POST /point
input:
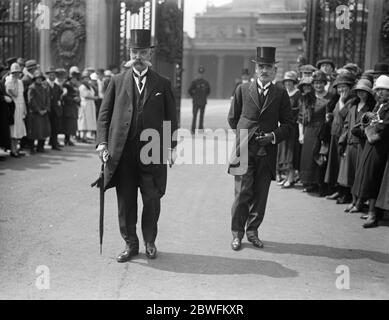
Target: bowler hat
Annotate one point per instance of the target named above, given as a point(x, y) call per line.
point(381, 68)
point(382, 83)
point(322, 61)
point(265, 55)
point(344, 79)
point(30, 64)
point(364, 85)
point(140, 38)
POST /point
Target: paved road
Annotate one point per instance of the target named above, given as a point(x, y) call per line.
point(49, 217)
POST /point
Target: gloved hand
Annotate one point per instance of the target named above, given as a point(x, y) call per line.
point(103, 153)
point(265, 139)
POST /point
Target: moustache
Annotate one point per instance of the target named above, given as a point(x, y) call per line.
point(134, 62)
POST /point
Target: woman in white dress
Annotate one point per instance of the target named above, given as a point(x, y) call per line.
point(87, 111)
point(14, 88)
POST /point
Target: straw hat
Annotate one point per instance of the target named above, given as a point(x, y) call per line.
point(74, 71)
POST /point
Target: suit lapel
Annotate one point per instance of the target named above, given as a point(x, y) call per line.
point(151, 82)
point(269, 98)
point(254, 94)
point(128, 80)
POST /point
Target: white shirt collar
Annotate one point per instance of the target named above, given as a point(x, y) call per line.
point(261, 85)
point(140, 73)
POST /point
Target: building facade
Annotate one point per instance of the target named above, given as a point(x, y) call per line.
point(226, 38)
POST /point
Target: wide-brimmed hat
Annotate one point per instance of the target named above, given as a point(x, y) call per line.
point(307, 68)
point(344, 79)
point(326, 60)
point(291, 76)
point(140, 39)
point(304, 82)
point(94, 76)
point(319, 76)
point(60, 72)
point(364, 85)
point(266, 55)
point(382, 83)
point(381, 68)
point(15, 68)
point(352, 67)
point(38, 74)
point(30, 64)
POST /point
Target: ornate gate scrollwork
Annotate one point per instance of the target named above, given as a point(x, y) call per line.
point(68, 32)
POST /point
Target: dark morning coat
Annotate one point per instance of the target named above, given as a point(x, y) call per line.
point(246, 113)
point(117, 110)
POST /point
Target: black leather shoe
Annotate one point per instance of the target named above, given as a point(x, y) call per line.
point(151, 250)
point(127, 254)
point(236, 244)
point(256, 242)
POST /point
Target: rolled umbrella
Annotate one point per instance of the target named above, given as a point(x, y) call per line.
point(100, 184)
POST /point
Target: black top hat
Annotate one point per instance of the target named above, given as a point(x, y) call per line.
point(266, 55)
point(140, 38)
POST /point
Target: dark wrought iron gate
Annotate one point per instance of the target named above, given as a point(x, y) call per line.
point(328, 37)
point(18, 35)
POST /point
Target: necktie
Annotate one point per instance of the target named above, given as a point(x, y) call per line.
point(140, 80)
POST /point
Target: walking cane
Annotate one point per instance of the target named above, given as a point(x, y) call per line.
point(100, 184)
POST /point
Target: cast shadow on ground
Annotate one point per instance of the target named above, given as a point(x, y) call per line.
point(303, 249)
point(216, 265)
point(50, 158)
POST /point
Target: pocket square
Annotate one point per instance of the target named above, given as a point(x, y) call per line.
point(158, 94)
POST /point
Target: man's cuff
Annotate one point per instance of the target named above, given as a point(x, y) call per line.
point(101, 146)
point(274, 138)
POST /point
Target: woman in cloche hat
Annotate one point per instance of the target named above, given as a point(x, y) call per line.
point(353, 140)
point(343, 85)
point(14, 88)
point(370, 170)
point(311, 120)
point(288, 156)
point(39, 106)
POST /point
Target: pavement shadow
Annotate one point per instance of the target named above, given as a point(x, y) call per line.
point(49, 158)
point(324, 251)
point(214, 265)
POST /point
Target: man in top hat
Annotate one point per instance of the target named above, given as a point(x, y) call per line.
point(256, 110)
point(56, 108)
point(199, 90)
point(137, 102)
